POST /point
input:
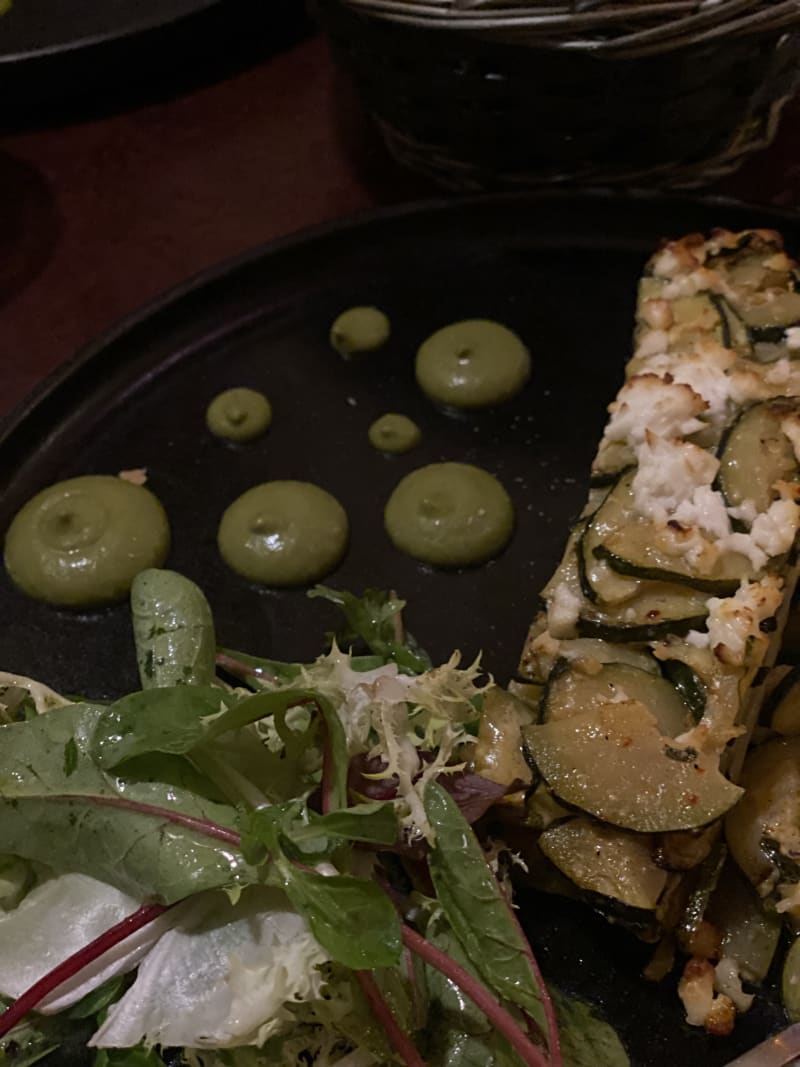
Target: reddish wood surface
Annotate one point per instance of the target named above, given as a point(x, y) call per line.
point(97, 218)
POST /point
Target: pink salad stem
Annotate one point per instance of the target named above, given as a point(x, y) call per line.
point(235, 666)
point(76, 962)
point(400, 1042)
point(553, 1036)
point(497, 1015)
point(191, 822)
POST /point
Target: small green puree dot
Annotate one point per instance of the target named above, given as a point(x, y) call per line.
point(359, 329)
point(283, 533)
point(239, 414)
point(394, 433)
point(450, 515)
point(472, 364)
point(80, 543)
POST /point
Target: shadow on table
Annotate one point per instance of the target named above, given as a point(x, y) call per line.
point(94, 81)
point(29, 227)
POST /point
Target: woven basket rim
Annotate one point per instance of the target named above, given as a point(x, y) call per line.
point(618, 28)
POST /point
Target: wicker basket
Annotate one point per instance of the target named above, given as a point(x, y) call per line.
point(482, 94)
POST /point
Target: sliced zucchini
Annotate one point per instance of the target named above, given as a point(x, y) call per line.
point(529, 693)
point(638, 548)
point(749, 933)
point(747, 252)
point(614, 763)
point(657, 610)
point(734, 334)
point(705, 880)
point(588, 652)
point(565, 580)
point(607, 861)
point(790, 982)
point(566, 573)
point(783, 311)
point(542, 809)
point(498, 755)
point(785, 705)
point(690, 686)
point(765, 825)
point(681, 850)
point(571, 691)
point(755, 453)
point(598, 581)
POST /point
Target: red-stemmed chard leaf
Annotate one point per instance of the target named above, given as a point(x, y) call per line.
point(76, 963)
point(480, 916)
point(478, 994)
point(400, 1042)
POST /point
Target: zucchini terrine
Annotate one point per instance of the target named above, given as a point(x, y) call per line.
point(664, 616)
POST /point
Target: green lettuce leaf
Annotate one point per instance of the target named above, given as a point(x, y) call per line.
point(351, 918)
point(49, 813)
point(170, 719)
point(179, 719)
point(475, 907)
point(304, 831)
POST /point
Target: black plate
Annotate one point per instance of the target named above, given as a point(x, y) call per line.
point(67, 59)
point(561, 270)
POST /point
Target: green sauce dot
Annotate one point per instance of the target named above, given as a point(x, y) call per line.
point(472, 364)
point(394, 433)
point(450, 515)
point(239, 414)
point(283, 533)
point(359, 329)
point(80, 543)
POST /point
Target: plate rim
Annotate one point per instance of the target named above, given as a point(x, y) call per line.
point(96, 40)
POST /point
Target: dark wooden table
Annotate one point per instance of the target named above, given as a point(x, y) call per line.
point(98, 217)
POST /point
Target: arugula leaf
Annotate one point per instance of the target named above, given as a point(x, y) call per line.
point(169, 719)
point(475, 907)
point(54, 818)
point(586, 1039)
point(373, 618)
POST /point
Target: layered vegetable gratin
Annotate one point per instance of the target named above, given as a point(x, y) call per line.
point(652, 665)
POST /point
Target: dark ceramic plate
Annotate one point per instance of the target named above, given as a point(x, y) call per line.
point(67, 59)
point(561, 270)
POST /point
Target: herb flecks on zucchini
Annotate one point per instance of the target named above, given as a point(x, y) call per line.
point(683, 560)
point(614, 763)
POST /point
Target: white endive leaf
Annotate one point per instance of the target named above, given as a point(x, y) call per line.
point(54, 921)
point(221, 977)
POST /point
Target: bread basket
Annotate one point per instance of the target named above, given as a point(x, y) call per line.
point(482, 94)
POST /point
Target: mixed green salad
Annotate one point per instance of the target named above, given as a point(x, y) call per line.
point(259, 864)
